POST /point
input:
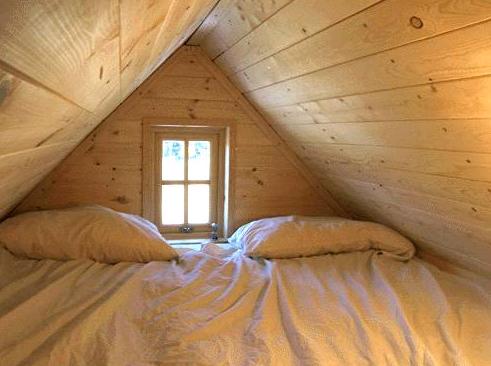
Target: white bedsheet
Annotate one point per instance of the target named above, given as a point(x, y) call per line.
point(348, 309)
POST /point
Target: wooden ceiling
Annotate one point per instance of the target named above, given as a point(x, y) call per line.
point(388, 102)
point(65, 65)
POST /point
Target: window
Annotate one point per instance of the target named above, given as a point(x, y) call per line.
point(185, 173)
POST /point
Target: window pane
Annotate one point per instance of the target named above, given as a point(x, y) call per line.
point(199, 203)
point(172, 204)
point(199, 160)
point(172, 160)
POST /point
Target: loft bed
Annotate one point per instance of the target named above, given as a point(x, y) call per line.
point(355, 304)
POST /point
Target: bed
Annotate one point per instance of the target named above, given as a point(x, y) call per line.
point(220, 307)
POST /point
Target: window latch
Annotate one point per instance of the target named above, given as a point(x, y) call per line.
point(186, 229)
point(214, 232)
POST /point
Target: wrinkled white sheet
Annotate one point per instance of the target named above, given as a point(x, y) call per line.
point(348, 309)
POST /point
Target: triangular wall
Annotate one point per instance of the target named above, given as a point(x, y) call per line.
point(106, 168)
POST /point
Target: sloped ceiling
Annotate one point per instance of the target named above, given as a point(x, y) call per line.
point(65, 65)
point(388, 102)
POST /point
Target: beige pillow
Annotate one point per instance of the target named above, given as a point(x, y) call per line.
point(297, 236)
point(91, 232)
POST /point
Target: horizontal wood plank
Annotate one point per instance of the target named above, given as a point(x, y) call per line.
point(452, 135)
point(291, 24)
point(371, 31)
point(472, 166)
point(242, 17)
point(454, 55)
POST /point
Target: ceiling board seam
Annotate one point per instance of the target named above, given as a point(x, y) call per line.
point(429, 120)
point(334, 175)
point(34, 149)
point(254, 28)
point(392, 187)
point(204, 20)
point(413, 171)
point(400, 147)
point(470, 25)
point(296, 103)
point(26, 78)
point(303, 39)
point(264, 126)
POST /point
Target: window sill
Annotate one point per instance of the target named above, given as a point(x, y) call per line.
point(195, 243)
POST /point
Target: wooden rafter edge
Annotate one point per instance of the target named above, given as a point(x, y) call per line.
point(266, 128)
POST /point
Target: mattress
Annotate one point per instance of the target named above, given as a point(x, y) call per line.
point(221, 308)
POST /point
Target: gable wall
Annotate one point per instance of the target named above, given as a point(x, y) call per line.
point(106, 168)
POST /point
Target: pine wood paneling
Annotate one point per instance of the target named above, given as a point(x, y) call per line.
point(474, 135)
point(450, 188)
point(182, 87)
point(57, 41)
point(30, 115)
point(291, 24)
point(388, 103)
point(22, 171)
point(161, 29)
point(370, 31)
point(242, 17)
point(474, 166)
point(459, 99)
point(212, 20)
point(60, 71)
point(107, 167)
point(454, 55)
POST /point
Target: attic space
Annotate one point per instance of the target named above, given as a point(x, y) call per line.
point(209, 182)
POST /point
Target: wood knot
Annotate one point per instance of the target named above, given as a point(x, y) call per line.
point(416, 22)
point(121, 199)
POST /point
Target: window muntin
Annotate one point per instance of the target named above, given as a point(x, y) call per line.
point(194, 191)
point(187, 181)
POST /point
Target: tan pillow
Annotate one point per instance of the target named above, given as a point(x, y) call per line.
point(90, 232)
point(297, 236)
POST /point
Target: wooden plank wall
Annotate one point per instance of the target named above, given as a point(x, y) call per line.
point(388, 102)
point(60, 73)
point(106, 168)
